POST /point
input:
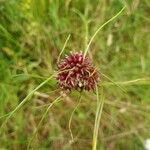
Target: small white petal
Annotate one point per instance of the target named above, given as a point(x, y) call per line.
point(147, 144)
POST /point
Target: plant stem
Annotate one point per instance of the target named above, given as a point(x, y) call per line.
point(100, 103)
point(38, 126)
point(111, 19)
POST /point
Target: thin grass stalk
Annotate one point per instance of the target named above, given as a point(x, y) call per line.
point(24, 101)
point(115, 83)
point(39, 124)
point(139, 81)
point(70, 120)
point(100, 103)
point(63, 47)
point(103, 25)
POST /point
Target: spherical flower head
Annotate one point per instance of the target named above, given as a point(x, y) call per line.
point(77, 72)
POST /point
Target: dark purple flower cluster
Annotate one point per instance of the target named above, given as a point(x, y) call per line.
point(77, 72)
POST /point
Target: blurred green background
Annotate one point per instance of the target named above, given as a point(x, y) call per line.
point(32, 34)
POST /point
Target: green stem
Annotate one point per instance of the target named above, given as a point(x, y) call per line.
point(25, 100)
point(47, 110)
point(100, 104)
point(111, 19)
point(70, 120)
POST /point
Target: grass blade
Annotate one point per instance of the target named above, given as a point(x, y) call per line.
point(114, 82)
point(47, 110)
point(25, 100)
point(63, 47)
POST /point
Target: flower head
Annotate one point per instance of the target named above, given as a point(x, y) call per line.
point(77, 72)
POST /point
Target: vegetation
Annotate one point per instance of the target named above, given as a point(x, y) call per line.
point(35, 113)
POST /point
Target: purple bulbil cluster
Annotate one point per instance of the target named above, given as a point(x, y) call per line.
point(77, 72)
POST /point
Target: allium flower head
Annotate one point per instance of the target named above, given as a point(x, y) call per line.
point(77, 72)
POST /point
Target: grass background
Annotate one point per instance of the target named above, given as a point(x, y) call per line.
point(32, 34)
